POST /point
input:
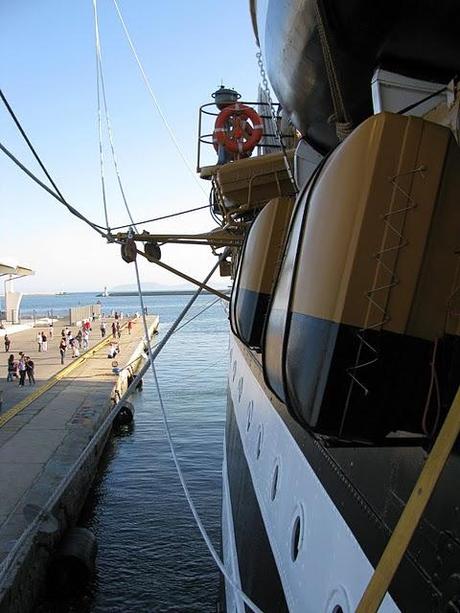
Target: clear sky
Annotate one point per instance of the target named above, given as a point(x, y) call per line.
point(48, 73)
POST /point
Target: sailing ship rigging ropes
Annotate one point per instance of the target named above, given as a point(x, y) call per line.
point(336, 214)
point(155, 100)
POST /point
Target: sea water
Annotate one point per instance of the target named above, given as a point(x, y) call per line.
point(151, 556)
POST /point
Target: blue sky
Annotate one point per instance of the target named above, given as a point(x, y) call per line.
point(48, 73)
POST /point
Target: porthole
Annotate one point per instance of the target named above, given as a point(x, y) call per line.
point(240, 388)
point(250, 413)
point(297, 534)
point(338, 601)
point(275, 481)
point(260, 439)
point(234, 370)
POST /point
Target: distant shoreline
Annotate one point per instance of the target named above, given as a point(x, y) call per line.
point(147, 292)
point(159, 292)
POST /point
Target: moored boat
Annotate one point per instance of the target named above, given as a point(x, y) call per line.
point(344, 359)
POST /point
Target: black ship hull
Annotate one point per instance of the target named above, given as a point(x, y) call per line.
point(306, 523)
point(414, 38)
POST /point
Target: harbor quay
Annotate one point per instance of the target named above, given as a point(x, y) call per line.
point(52, 435)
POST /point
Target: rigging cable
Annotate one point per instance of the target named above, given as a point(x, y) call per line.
point(191, 504)
point(139, 223)
point(57, 193)
point(99, 229)
point(101, 84)
point(31, 147)
point(99, 79)
point(154, 98)
point(10, 561)
point(208, 306)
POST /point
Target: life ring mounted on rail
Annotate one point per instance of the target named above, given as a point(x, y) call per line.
point(238, 129)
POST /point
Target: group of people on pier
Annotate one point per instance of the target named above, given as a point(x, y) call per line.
point(23, 367)
point(77, 343)
point(19, 369)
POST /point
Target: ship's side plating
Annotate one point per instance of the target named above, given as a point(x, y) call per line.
point(310, 505)
point(345, 353)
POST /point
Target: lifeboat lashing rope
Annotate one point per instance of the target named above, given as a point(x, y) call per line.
point(396, 232)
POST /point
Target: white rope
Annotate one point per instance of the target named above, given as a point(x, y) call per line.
point(155, 101)
point(190, 502)
point(101, 86)
point(99, 115)
point(205, 308)
point(8, 564)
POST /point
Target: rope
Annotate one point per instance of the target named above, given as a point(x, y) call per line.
point(199, 313)
point(29, 144)
point(9, 561)
point(433, 384)
point(343, 125)
point(107, 116)
point(190, 502)
point(59, 198)
point(412, 513)
point(139, 223)
point(406, 109)
point(154, 98)
point(99, 79)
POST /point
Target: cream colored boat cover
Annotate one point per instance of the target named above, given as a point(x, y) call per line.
point(254, 181)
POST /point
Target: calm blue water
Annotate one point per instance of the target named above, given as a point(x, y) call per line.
point(151, 556)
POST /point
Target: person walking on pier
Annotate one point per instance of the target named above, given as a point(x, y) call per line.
point(30, 367)
point(114, 330)
point(103, 329)
point(22, 369)
point(7, 343)
point(130, 326)
point(75, 348)
point(50, 331)
point(12, 368)
point(85, 340)
point(62, 348)
point(118, 329)
point(39, 340)
point(44, 342)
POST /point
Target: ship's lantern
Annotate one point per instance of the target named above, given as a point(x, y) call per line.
point(225, 96)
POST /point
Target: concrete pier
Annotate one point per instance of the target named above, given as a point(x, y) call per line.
point(43, 431)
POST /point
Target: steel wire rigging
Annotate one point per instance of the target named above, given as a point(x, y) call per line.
point(99, 229)
point(99, 79)
point(56, 192)
point(101, 90)
point(155, 100)
point(151, 363)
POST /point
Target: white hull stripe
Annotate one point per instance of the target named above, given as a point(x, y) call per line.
point(301, 521)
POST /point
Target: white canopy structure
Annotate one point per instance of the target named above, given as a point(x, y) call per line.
point(10, 270)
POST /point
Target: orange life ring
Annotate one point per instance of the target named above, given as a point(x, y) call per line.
point(233, 131)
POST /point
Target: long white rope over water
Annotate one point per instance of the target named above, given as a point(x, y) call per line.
point(155, 100)
point(8, 564)
point(188, 496)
